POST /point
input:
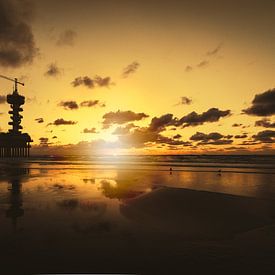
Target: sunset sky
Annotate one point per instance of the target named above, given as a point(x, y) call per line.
point(150, 77)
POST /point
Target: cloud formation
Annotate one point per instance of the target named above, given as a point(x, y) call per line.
point(61, 121)
point(121, 117)
point(124, 130)
point(66, 38)
point(194, 119)
point(85, 81)
point(267, 136)
point(39, 120)
point(203, 64)
point(92, 83)
point(213, 138)
point(188, 68)
point(130, 69)
point(184, 100)
point(92, 103)
point(52, 70)
point(241, 136)
point(265, 123)
point(69, 105)
point(177, 136)
point(262, 104)
point(215, 51)
point(236, 125)
point(17, 45)
point(158, 124)
point(89, 131)
point(44, 142)
point(144, 136)
point(201, 136)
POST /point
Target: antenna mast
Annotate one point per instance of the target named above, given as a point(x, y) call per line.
point(15, 80)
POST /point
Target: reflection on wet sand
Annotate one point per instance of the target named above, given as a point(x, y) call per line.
point(15, 210)
point(76, 221)
point(113, 189)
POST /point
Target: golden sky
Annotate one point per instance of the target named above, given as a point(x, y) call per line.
point(100, 65)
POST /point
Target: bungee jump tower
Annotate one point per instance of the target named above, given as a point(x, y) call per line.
point(15, 144)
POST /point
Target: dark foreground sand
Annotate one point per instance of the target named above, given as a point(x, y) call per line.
point(200, 214)
point(172, 231)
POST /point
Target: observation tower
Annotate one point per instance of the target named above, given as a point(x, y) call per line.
point(15, 143)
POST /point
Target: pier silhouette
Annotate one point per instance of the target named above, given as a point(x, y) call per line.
point(15, 143)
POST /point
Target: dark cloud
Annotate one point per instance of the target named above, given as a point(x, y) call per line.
point(68, 105)
point(265, 123)
point(61, 121)
point(130, 69)
point(3, 99)
point(177, 136)
point(185, 101)
point(52, 70)
point(102, 81)
point(39, 120)
point(121, 117)
point(91, 83)
point(85, 81)
point(42, 139)
point(17, 45)
point(203, 63)
point(249, 142)
point(215, 51)
point(212, 138)
point(44, 142)
point(194, 119)
point(236, 125)
point(262, 104)
point(159, 124)
point(201, 136)
point(92, 103)
point(66, 38)
point(89, 131)
point(188, 68)
point(241, 136)
point(267, 136)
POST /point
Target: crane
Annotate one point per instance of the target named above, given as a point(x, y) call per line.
point(14, 80)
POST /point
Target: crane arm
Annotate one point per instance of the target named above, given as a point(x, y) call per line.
point(11, 79)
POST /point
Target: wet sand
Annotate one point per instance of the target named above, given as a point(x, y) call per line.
point(199, 214)
point(172, 231)
point(56, 218)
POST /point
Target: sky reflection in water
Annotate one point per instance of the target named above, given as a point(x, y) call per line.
point(73, 200)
